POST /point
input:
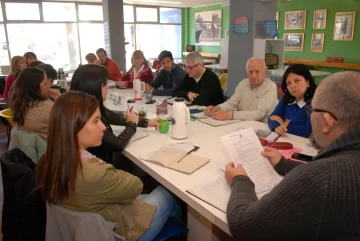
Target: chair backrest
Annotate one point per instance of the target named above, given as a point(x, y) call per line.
point(68, 225)
point(30, 143)
point(223, 81)
point(7, 114)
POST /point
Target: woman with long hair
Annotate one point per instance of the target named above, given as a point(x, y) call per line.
point(139, 70)
point(18, 63)
point(289, 115)
point(29, 101)
point(92, 79)
point(70, 176)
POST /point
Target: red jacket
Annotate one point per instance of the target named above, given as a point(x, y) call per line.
point(145, 75)
point(8, 83)
point(114, 70)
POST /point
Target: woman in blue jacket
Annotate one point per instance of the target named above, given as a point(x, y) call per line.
point(289, 115)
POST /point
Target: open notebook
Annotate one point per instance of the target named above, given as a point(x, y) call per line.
point(176, 157)
point(210, 121)
point(117, 130)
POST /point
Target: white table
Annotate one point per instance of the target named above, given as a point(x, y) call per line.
point(280, 72)
point(208, 139)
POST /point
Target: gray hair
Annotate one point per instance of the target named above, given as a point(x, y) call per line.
point(255, 58)
point(339, 93)
point(194, 57)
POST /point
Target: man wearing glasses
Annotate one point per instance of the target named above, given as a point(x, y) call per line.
point(318, 200)
point(254, 99)
point(201, 86)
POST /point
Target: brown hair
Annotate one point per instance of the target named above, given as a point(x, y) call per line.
point(14, 62)
point(57, 169)
point(91, 57)
point(101, 50)
point(26, 93)
point(138, 53)
point(30, 55)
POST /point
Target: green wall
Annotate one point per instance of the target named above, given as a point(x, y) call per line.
point(346, 49)
point(188, 23)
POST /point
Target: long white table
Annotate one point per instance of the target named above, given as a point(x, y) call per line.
point(200, 215)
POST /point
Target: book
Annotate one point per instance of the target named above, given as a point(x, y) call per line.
point(210, 121)
point(117, 130)
point(268, 135)
point(177, 157)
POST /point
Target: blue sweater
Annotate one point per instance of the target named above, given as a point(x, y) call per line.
point(168, 80)
point(300, 123)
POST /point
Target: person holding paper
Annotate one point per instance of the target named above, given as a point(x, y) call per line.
point(70, 176)
point(318, 200)
point(92, 79)
point(169, 77)
point(200, 86)
point(299, 88)
point(254, 99)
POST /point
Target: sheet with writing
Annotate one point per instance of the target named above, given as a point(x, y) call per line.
point(243, 147)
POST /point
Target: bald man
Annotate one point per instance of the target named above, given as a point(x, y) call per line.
point(317, 200)
point(254, 99)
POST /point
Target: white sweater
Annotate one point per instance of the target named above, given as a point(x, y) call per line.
point(252, 104)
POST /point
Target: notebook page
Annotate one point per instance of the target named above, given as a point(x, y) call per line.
point(164, 156)
point(244, 148)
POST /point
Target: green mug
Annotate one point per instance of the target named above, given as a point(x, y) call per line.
point(164, 126)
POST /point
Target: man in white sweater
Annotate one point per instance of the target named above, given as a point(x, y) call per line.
point(254, 99)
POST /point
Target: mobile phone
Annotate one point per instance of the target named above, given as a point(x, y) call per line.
point(302, 157)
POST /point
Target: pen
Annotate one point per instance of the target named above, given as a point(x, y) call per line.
point(195, 149)
point(131, 108)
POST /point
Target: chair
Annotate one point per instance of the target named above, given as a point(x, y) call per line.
point(68, 225)
point(7, 114)
point(223, 81)
point(172, 229)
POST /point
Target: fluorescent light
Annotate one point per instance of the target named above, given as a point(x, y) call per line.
point(156, 1)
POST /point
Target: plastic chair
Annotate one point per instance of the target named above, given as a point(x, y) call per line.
point(172, 229)
point(223, 81)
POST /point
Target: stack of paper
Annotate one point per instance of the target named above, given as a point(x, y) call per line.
point(209, 120)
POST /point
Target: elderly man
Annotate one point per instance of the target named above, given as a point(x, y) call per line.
point(254, 99)
point(317, 200)
point(201, 86)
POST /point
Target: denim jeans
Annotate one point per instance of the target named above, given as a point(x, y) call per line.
point(165, 207)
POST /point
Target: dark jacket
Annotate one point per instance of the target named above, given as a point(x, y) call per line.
point(110, 142)
point(168, 80)
point(208, 88)
point(315, 201)
point(24, 213)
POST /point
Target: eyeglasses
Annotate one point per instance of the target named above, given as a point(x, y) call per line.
point(309, 109)
point(191, 67)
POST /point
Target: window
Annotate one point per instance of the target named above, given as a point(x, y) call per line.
point(170, 15)
point(146, 14)
point(59, 12)
point(128, 14)
point(91, 38)
point(1, 15)
point(129, 38)
point(90, 12)
point(22, 11)
point(58, 47)
point(165, 36)
point(4, 54)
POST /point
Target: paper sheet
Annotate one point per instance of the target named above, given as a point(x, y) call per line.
point(288, 153)
point(208, 120)
point(244, 148)
point(187, 147)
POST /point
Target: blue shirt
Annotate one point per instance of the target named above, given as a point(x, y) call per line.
point(168, 80)
point(300, 123)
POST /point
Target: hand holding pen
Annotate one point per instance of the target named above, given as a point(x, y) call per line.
point(132, 116)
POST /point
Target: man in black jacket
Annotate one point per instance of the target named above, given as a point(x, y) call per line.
point(317, 200)
point(201, 86)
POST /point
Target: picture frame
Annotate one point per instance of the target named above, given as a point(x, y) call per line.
point(295, 20)
point(317, 42)
point(344, 26)
point(208, 28)
point(320, 19)
point(294, 41)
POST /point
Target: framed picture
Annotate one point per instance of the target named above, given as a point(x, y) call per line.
point(320, 19)
point(295, 20)
point(294, 41)
point(208, 28)
point(317, 42)
point(344, 26)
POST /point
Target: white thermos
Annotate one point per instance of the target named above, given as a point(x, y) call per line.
point(180, 119)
